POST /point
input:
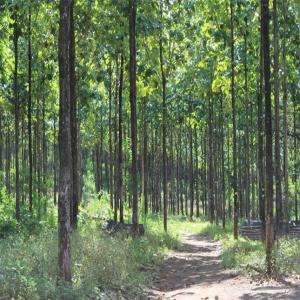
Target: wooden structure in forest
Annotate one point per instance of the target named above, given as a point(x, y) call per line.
point(253, 230)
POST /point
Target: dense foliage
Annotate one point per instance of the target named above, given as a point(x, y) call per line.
point(200, 145)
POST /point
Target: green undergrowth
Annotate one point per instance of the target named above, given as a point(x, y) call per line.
point(104, 266)
point(242, 253)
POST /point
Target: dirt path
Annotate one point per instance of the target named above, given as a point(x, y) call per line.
point(194, 272)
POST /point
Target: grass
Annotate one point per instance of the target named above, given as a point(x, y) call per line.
point(111, 267)
point(239, 253)
point(104, 266)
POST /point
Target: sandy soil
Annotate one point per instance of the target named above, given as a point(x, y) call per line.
point(194, 272)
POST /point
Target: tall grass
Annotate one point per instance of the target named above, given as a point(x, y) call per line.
point(104, 266)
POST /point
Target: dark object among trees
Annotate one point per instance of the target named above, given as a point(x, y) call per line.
point(114, 227)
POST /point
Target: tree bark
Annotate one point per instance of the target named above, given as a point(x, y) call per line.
point(285, 124)
point(268, 129)
point(120, 144)
point(191, 172)
point(65, 153)
point(132, 75)
point(74, 124)
point(29, 112)
point(277, 120)
point(111, 190)
point(234, 156)
point(260, 159)
point(164, 82)
point(17, 113)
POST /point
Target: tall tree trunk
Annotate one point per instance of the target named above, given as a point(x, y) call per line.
point(164, 82)
point(197, 176)
point(111, 190)
point(115, 145)
point(210, 163)
point(295, 156)
point(120, 144)
point(17, 109)
point(277, 121)
point(285, 124)
point(191, 172)
point(132, 75)
point(234, 156)
point(145, 158)
point(74, 124)
point(54, 163)
point(222, 176)
point(260, 159)
point(44, 148)
point(29, 111)
point(97, 168)
point(268, 128)
point(247, 138)
point(65, 153)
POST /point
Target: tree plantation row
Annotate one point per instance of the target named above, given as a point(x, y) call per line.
point(183, 107)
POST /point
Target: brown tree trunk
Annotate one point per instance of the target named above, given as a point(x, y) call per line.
point(164, 82)
point(111, 190)
point(44, 142)
point(74, 124)
point(277, 121)
point(234, 156)
point(145, 158)
point(65, 153)
point(17, 113)
point(97, 168)
point(260, 159)
point(191, 173)
point(120, 145)
point(132, 75)
point(210, 170)
point(197, 176)
point(295, 156)
point(29, 113)
point(285, 124)
point(268, 128)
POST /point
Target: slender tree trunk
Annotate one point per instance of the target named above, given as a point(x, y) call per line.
point(295, 157)
point(191, 172)
point(285, 124)
point(247, 138)
point(97, 168)
point(74, 124)
point(120, 145)
point(29, 112)
point(277, 121)
point(197, 176)
point(164, 82)
point(268, 128)
point(54, 164)
point(222, 176)
point(132, 75)
point(17, 113)
point(115, 145)
point(210, 163)
point(145, 158)
point(110, 140)
point(65, 154)
point(44, 141)
point(261, 173)
point(234, 156)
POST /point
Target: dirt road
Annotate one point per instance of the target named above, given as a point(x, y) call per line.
point(194, 272)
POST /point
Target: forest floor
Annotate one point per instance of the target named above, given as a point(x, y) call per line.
point(194, 271)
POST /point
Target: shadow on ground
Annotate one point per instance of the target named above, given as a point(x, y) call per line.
point(194, 271)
